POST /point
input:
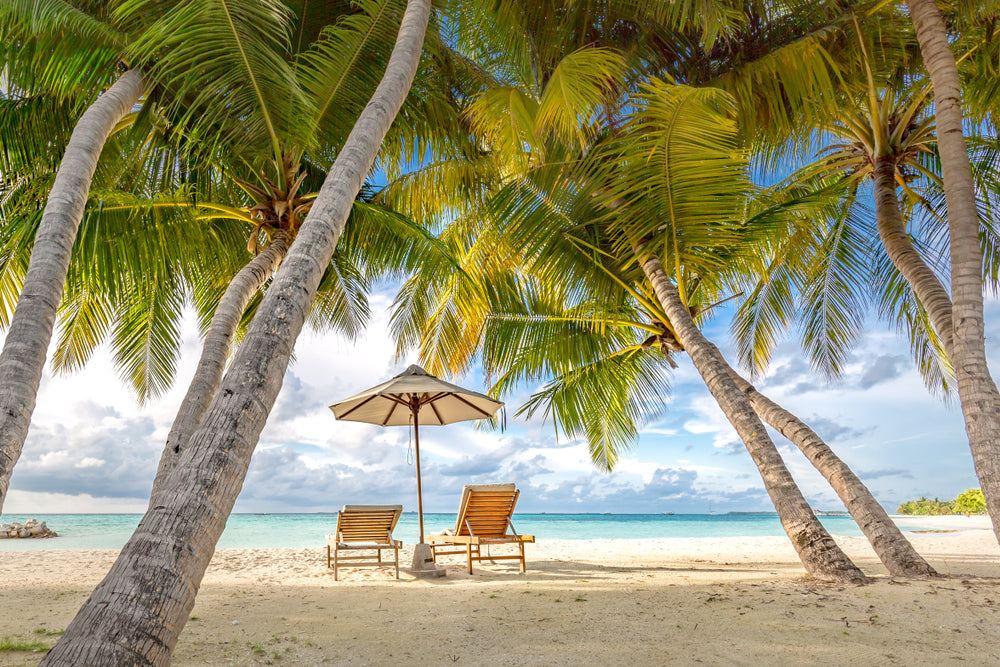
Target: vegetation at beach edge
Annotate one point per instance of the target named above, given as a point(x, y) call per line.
point(967, 502)
point(22, 645)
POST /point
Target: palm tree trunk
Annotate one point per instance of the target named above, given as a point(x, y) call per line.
point(905, 257)
point(23, 357)
point(893, 549)
point(976, 389)
point(136, 613)
point(214, 353)
point(820, 555)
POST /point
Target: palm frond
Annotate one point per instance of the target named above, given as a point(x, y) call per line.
point(224, 62)
point(85, 318)
point(579, 84)
point(342, 68)
point(607, 400)
point(341, 303)
point(687, 176)
point(146, 336)
point(33, 131)
point(58, 47)
point(506, 118)
point(833, 314)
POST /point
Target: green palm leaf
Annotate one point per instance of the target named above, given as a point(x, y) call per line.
point(687, 176)
point(58, 47)
point(342, 68)
point(225, 63)
point(579, 84)
point(341, 303)
point(33, 130)
point(146, 335)
point(85, 318)
point(833, 303)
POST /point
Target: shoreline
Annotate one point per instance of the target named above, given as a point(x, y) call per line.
point(613, 601)
point(85, 531)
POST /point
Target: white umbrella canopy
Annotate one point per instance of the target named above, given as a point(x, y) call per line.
point(391, 403)
point(416, 397)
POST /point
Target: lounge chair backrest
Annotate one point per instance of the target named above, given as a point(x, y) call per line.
point(486, 509)
point(367, 523)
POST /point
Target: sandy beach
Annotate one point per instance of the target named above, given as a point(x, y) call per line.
point(726, 601)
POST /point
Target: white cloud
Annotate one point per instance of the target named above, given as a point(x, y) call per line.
point(91, 448)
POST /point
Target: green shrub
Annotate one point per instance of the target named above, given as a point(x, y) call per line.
point(971, 502)
point(967, 502)
point(925, 507)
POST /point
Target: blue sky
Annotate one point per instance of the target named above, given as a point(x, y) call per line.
point(92, 449)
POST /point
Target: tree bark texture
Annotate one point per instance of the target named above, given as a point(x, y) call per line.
point(904, 256)
point(893, 549)
point(214, 353)
point(23, 357)
point(818, 552)
point(136, 613)
point(976, 389)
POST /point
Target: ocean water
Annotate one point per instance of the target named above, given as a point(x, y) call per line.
point(111, 531)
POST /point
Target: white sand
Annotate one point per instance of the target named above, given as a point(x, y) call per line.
point(729, 601)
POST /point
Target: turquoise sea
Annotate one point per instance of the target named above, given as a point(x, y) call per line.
point(111, 531)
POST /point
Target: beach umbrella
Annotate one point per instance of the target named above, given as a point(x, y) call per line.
point(416, 397)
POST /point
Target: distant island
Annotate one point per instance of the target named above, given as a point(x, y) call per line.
point(967, 502)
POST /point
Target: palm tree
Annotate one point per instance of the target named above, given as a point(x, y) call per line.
point(524, 125)
point(271, 162)
point(672, 146)
point(604, 357)
point(888, 130)
point(976, 389)
point(140, 312)
point(135, 258)
point(34, 37)
point(828, 262)
point(135, 614)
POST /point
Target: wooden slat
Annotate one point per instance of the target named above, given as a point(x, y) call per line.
point(487, 513)
point(360, 525)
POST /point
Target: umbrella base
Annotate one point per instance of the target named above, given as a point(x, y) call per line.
point(423, 563)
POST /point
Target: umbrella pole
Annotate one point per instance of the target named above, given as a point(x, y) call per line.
point(420, 495)
point(423, 555)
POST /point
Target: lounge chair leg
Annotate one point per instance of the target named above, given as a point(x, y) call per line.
point(523, 569)
point(397, 562)
point(328, 556)
point(468, 556)
point(335, 564)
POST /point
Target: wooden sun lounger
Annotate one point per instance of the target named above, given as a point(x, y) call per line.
point(484, 519)
point(363, 527)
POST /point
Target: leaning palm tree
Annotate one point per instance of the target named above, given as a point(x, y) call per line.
point(136, 613)
point(681, 202)
point(599, 340)
point(319, 80)
point(272, 169)
point(887, 135)
point(976, 389)
point(829, 264)
point(525, 125)
point(610, 379)
point(53, 46)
